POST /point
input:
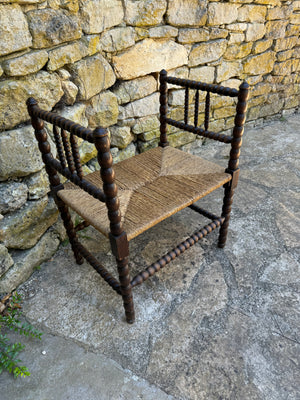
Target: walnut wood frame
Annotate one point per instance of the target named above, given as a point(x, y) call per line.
point(68, 164)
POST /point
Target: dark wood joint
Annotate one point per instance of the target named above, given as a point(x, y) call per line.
point(119, 245)
point(55, 189)
point(235, 177)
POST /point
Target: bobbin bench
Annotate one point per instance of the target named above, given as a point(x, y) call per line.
point(127, 198)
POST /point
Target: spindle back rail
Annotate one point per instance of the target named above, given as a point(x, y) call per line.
point(96, 198)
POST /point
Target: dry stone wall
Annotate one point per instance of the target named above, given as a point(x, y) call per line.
point(97, 62)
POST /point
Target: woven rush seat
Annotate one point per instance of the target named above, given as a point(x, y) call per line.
point(151, 187)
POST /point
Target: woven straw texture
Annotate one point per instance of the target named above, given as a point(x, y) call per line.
point(151, 187)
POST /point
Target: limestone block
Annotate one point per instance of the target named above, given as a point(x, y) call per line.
point(255, 32)
point(19, 153)
point(190, 35)
point(37, 185)
point(6, 261)
point(146, 124)
point(273, 106)
point(144, 12)
point(14, 32)
point(1, 71)
point(262, 45)
point(269, 2)
point(282, 12)
point(204, 74)
point(91, 76)
point(207, 52)
point(260, 89)
point(149, 56)
point(260, 64)
point(252, 13)
point(103, 110)
point(135, 89)
point(121, 155)
point(23, 228)
point(284, 55)
point(98, 15)
point(187, 13)
point(149, 136)
point(12, 196)
point(51, 27)
point(75, 113)
point(217, 33)
point(26, 261)
point(292, 30)
point(237, 27)
point(222, 13)
point(70, 53)
point(26, 64)
point(295, 18)
point(237, 51)
point(286, 67)
point(224, 112)
point(121, 136)
point(63, 74)
point(45, 88)
point(228, 70)
point(181, 138)
point(163, 32)
point(275, 29)
point(117, 39)
point(286, 43)
point(87, 151)
point(141, 108)
point(236, 38)
point(70, 92)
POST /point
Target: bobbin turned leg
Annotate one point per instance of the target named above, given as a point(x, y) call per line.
point(118, 238)
point(55, 185)
point(227, 202)
point(68, 224)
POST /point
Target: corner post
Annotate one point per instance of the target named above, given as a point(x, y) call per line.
point(118, 238)
point(163, 100)
point(233, 165)
point(55, 185)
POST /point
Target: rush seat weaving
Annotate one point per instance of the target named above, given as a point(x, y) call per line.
point(127, 198)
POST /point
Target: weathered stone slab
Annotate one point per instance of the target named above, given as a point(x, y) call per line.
point(255, 32)
point(275, 29)
point(222, 13)
point(92, 75)
point(192, 35)
point(71, 53)
point(37, 185)
point(6, 260)
point(118, 39)
point(146, 124)
point(121, 136)
point(204, 74)
point(12, 196)
point(45, 88)
point(207, 52)
point(26, 159)
point(228, 70)
point(14, 33)
point(98, 15)
point(183, 13)
point(26, 64)
point(144, 12)
point(135, 89)
point(163, 32)
point(149, 56)
point(141, 108)
point(23, 228)
point(70, 92)
point(103, 110)
point(262, 45)
point(260, 64)
point(51, 27)
point(237, 51)
point(26, 261)
point(252, 13)
point(181, 138)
